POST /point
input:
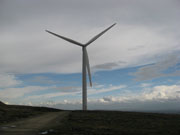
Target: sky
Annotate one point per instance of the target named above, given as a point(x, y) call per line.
point(135, 65)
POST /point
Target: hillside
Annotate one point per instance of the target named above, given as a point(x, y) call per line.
point(55, 122)
point(1, 103)
point(116, 122)
point(15, 112)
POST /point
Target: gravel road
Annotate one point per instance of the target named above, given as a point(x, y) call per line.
point(37, 125)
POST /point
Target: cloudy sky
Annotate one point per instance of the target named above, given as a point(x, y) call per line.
point(135, 65)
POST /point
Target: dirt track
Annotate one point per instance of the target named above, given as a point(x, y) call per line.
point(35, 125)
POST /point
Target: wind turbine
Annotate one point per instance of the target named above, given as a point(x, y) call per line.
point(85, 62)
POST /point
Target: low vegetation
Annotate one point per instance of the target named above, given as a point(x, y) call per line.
point(10, 113)
point(115, 122)
point(98, 122)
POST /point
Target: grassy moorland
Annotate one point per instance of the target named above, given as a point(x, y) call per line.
point(92, 122)
point(122, 123)
point(10, 113)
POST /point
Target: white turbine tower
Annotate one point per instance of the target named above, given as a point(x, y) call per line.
point(85, 62)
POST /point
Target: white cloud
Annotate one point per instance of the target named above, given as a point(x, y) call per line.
point(8, 80)
point(11, 93)
point(69, 89)
point(145, 85)
point(158, 98)
point(41, 80)
point(108, 66)
point(162, 92)
point(26, 48)
point(156, 93)
point(92, 91)
point(107, 99)
point(74, 91)
point(51, 95)
point(158, 69)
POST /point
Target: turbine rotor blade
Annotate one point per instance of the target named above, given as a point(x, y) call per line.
point(65, 38)
point(88, 67)
point(97, 36)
